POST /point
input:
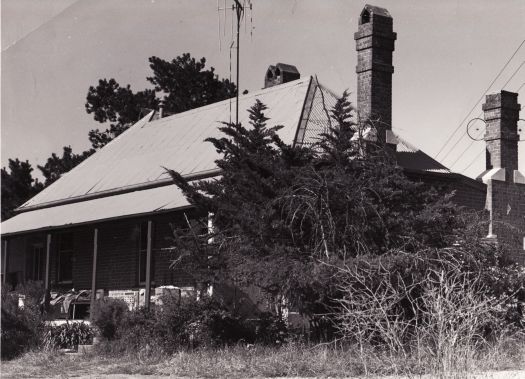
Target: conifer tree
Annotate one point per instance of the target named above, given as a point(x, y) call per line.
point(283, 215)
point(18, 186)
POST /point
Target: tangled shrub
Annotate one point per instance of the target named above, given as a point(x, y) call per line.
point(107, 315)
point(186, 323)
point(445, 304)
point(138, 328)
point(68, 335)
point(267, 329)
point(21, 327)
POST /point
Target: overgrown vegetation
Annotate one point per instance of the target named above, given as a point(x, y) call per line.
point(338, 232)
point(24, 326)
point(392, 276)
point(242, 361)
point(181, 324)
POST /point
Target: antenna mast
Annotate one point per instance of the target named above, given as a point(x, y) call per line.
point(239, 10)
point(239, 7)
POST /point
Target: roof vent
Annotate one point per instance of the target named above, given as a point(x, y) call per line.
point(279, 74)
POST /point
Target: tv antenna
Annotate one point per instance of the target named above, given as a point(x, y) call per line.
point(476, 129)
point(238, 9)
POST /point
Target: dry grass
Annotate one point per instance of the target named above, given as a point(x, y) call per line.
point(258, 361)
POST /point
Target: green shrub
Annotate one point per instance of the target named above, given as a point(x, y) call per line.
point(68, 335)
point(107, 315)
point(203, 322)
point(178, 325)
point(268, 329)
point(21, 328)
point(138, 328)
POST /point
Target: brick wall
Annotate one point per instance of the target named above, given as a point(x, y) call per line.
point(507, 204)
point(117, 258)
point(468, 193)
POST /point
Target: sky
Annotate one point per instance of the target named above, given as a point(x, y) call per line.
point(446, 57)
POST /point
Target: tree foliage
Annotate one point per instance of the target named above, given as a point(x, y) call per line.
point(108, 101)
point(187, 84)
point(183, 83)
point(18, 186)
point(55, 165)
point(284, 215)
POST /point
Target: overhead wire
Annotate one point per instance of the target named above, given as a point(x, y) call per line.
point(513, 74)
point(472, 142)
point(472, 162)
point(481, 98)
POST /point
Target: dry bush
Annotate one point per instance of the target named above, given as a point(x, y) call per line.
point(440, 319)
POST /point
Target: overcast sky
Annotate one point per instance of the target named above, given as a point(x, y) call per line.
point(447, 53)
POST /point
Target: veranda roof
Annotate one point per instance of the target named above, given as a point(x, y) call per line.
point(101, 209)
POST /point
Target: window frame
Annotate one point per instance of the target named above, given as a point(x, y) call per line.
point(35, 264)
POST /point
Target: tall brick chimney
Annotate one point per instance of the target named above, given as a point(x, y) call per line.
point(505, 184)
point(375, 44)
point(501, 136)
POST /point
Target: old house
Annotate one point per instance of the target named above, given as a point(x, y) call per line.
point(105, 225)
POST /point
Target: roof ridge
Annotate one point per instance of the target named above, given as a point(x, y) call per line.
point(262, 91)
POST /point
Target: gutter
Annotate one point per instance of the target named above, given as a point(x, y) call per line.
point(119, 191)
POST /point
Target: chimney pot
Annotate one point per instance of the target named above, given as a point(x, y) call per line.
point(279, 74)
point(161, 108)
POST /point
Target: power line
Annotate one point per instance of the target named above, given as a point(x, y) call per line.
point(472, 142)
point(452, 149)
point(463, 152)
point(457, 142)
point(472, 162)
point(481, 98)
point(513, 74)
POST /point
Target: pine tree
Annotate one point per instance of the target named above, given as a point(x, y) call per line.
point(56, 166)
point(184, 82)
point(18, 186)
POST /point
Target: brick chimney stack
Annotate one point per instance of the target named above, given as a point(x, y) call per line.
point(501, 136)
point(375, 44)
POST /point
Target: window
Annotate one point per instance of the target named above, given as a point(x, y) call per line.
point(143, 252)
point(36, 263)
point(65, 257)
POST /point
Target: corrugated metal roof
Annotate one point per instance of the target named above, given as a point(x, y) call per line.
point(176, 142)
point(412, 158)
point(137, 158)
point(106, 208)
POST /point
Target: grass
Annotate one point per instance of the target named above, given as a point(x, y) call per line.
point(294, 360)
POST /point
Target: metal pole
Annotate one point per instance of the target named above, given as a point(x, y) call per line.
point(4, 264)
point(48, 254)
point(239, 14)
point(148, 268)
point(47, 295)
point(94, 273)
